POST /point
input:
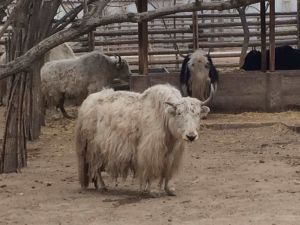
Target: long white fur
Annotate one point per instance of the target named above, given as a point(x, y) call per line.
point(119, 132)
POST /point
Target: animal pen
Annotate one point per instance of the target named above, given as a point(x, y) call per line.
point(244, 167)
point(155, 51)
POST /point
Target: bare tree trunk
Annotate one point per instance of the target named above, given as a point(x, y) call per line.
point(39, 28)
point(242, 13)
point(23, 115)
point(14, 154)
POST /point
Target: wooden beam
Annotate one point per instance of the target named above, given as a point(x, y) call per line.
point(195, 31)
point(272, 35)
point(142, 6)
point(298, 21)
point(263, 35)
point(91, 41)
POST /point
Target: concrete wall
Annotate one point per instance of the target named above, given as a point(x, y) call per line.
point(241, 91)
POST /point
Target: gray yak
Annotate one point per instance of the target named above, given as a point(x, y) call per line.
point(63, 51)
point(76, 78)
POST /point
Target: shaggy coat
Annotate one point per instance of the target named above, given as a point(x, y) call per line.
point(76, 78)
point(197, 74)
point(120, 131)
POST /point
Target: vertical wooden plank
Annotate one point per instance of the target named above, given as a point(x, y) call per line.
point(272, 35)
point(298, 21)
point(263, 35)
point(212, 30)
point(142, 6)
point(195, 31)
point(174, 26)
point(91, 41)
point(91, 36)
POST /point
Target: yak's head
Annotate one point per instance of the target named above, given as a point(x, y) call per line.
point(252, 60)
point(122, 67)
point(184, 118)
point(199, 63)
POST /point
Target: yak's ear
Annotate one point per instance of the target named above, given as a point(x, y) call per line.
point(204, 112)
point(171, 108)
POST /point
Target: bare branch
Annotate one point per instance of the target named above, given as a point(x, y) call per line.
point(6, 24)
point(69, 17)
point(87, 24)
point(5, 3)
point(242, 13)
point(9, 19)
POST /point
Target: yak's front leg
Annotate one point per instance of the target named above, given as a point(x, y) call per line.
point(170, 191)
point(145, 188)
point(102, 184)
point(62, 108)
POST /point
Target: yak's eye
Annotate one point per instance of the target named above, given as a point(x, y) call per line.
point(179, 113)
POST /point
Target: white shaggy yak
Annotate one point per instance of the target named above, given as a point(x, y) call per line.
point(121, 132)
point(63, 51)
point(76, 78)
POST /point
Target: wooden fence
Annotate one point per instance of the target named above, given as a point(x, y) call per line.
point(171, 37)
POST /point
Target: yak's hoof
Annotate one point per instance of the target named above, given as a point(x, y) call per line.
point(95, 184)
point(170, 192)
point(69, 117)
point(104, 189)
point(148, 194)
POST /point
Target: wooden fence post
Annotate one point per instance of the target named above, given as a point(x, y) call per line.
point(142, 6)
point(195, 31)
point(298, 21)
point(272, 35)
point(263, 35)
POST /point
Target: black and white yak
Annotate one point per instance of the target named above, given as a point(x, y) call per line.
point(286, 58)
point(198, 75)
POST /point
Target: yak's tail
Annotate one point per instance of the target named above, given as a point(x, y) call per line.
point(81, 149)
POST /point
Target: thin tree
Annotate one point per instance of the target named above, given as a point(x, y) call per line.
point(24, 103)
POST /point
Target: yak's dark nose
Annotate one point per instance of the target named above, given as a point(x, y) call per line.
point(191, 137)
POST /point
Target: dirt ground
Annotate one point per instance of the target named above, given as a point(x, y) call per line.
point(244, 169)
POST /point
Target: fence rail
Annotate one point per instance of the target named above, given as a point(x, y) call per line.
point(171, 36)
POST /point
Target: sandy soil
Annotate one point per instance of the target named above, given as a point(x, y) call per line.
point(231, 175)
